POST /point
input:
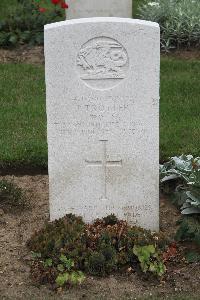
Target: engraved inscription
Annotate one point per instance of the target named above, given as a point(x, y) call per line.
point(102, 59)
point(104, 163)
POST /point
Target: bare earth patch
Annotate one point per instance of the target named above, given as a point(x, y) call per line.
point(23, 54)
point(15, 229)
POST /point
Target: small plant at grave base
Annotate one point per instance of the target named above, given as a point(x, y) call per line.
point(184, 171)
point(67, 275)
point(149, 259)
point(189, 229)
point(11, 196)
point(68, 248)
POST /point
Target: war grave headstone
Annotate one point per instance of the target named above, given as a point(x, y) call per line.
point(95, 8)
point(102, 89)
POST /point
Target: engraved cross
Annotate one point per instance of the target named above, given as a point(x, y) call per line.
point(104, 163)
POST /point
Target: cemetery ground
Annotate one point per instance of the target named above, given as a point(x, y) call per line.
point(181, 282)
point(23, 130)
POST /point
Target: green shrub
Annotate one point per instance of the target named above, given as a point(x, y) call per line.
point(26, 24)
point(189, 229)
point(149, 259)
point(98, 249)
point(185, 172)
point(11, 196)
point(179, 21)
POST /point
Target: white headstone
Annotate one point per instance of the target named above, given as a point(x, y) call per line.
point(102, 83)
point(99, 8)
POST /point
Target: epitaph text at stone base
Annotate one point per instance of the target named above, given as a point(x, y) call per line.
point(102, 85)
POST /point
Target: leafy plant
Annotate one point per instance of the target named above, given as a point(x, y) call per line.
point(149, 259)
point(189, 229)
point(67, 275)
point(11, 196)
point(178, 19)
point(186, 171)
point(48, 262)
point(68, 246)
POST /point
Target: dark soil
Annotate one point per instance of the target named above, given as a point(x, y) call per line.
point(35, 55)
point(15, 282)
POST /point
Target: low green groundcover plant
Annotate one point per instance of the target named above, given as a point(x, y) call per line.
point(68, 248)
point(179, 21)
point(11, 197)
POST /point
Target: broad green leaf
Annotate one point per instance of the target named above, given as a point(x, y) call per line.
point(62, 279)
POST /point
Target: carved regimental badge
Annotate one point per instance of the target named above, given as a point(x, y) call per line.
point(102, 62)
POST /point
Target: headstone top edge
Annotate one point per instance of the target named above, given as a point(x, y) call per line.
point(101, 20)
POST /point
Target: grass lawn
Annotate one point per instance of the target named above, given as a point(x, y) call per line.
point(23, 118)
point(22, 115)
point(179, 108)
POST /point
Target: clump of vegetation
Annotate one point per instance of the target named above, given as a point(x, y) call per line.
point(11, 196)
point(149, 259)
point(178, 19)
point(108, 245)
point(189, 229)
point(184, 172)
point(25, 25)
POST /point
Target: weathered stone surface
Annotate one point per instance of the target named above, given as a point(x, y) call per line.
point(99, 8)
point(102, 83)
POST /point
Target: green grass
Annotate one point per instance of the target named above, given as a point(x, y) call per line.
point(23, 118)
point(22, 115)
point(179, 108)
